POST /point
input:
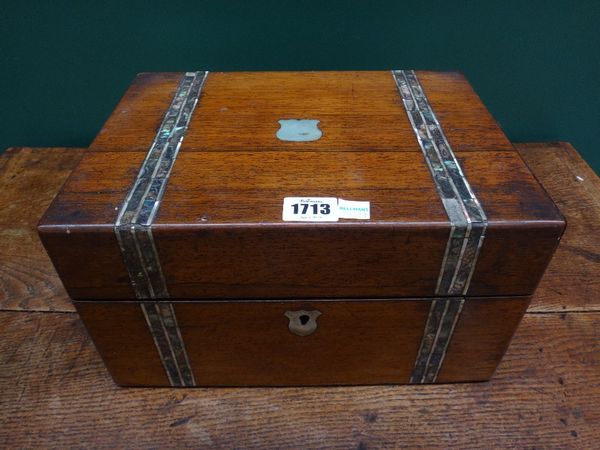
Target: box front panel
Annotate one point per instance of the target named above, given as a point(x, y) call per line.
point(279, 343)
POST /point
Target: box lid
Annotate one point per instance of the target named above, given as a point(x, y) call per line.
point(181, 194)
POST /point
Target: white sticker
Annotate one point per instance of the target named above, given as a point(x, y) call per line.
point(323, 209)
point(310, 209)
point(348, 209)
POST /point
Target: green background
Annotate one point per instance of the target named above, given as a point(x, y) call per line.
point(535, 64)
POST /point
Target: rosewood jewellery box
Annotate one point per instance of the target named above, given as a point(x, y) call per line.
point(301, 228)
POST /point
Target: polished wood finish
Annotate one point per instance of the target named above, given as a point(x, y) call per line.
point(122, 338)
point(544, 394)
point(219, 232)
point(249, 344)
point(358, 111)
point(557, 165)
point(58, 393)
point(481, 337)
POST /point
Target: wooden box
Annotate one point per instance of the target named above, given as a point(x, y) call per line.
point(301, 228)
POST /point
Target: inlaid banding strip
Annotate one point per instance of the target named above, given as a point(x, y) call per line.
point(468, 223)
point(467, 218)
point(134, 221)
point(133, 229)
point(443, 315)
point(160, 317)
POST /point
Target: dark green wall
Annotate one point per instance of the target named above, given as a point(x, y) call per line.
point(536, 64)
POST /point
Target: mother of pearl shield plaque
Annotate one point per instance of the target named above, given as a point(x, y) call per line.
point(133, 227)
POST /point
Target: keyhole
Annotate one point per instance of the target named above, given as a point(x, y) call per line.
point(302, 323)
point(304, 318)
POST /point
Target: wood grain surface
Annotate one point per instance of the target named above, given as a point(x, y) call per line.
point(572, 280)
point(358, 110)
point(56, 392)
point(219, 231)
point(30, 178)
point(248, 343)
point(566, 286)
point(236, 226)
point(228, 241)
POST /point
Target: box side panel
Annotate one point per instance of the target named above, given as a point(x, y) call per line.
point(481, 337)
point(513, 258)
point(524, 224)
point(88, 261)
point(121, 335)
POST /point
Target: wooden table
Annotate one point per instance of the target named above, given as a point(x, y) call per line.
point(55, 392)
